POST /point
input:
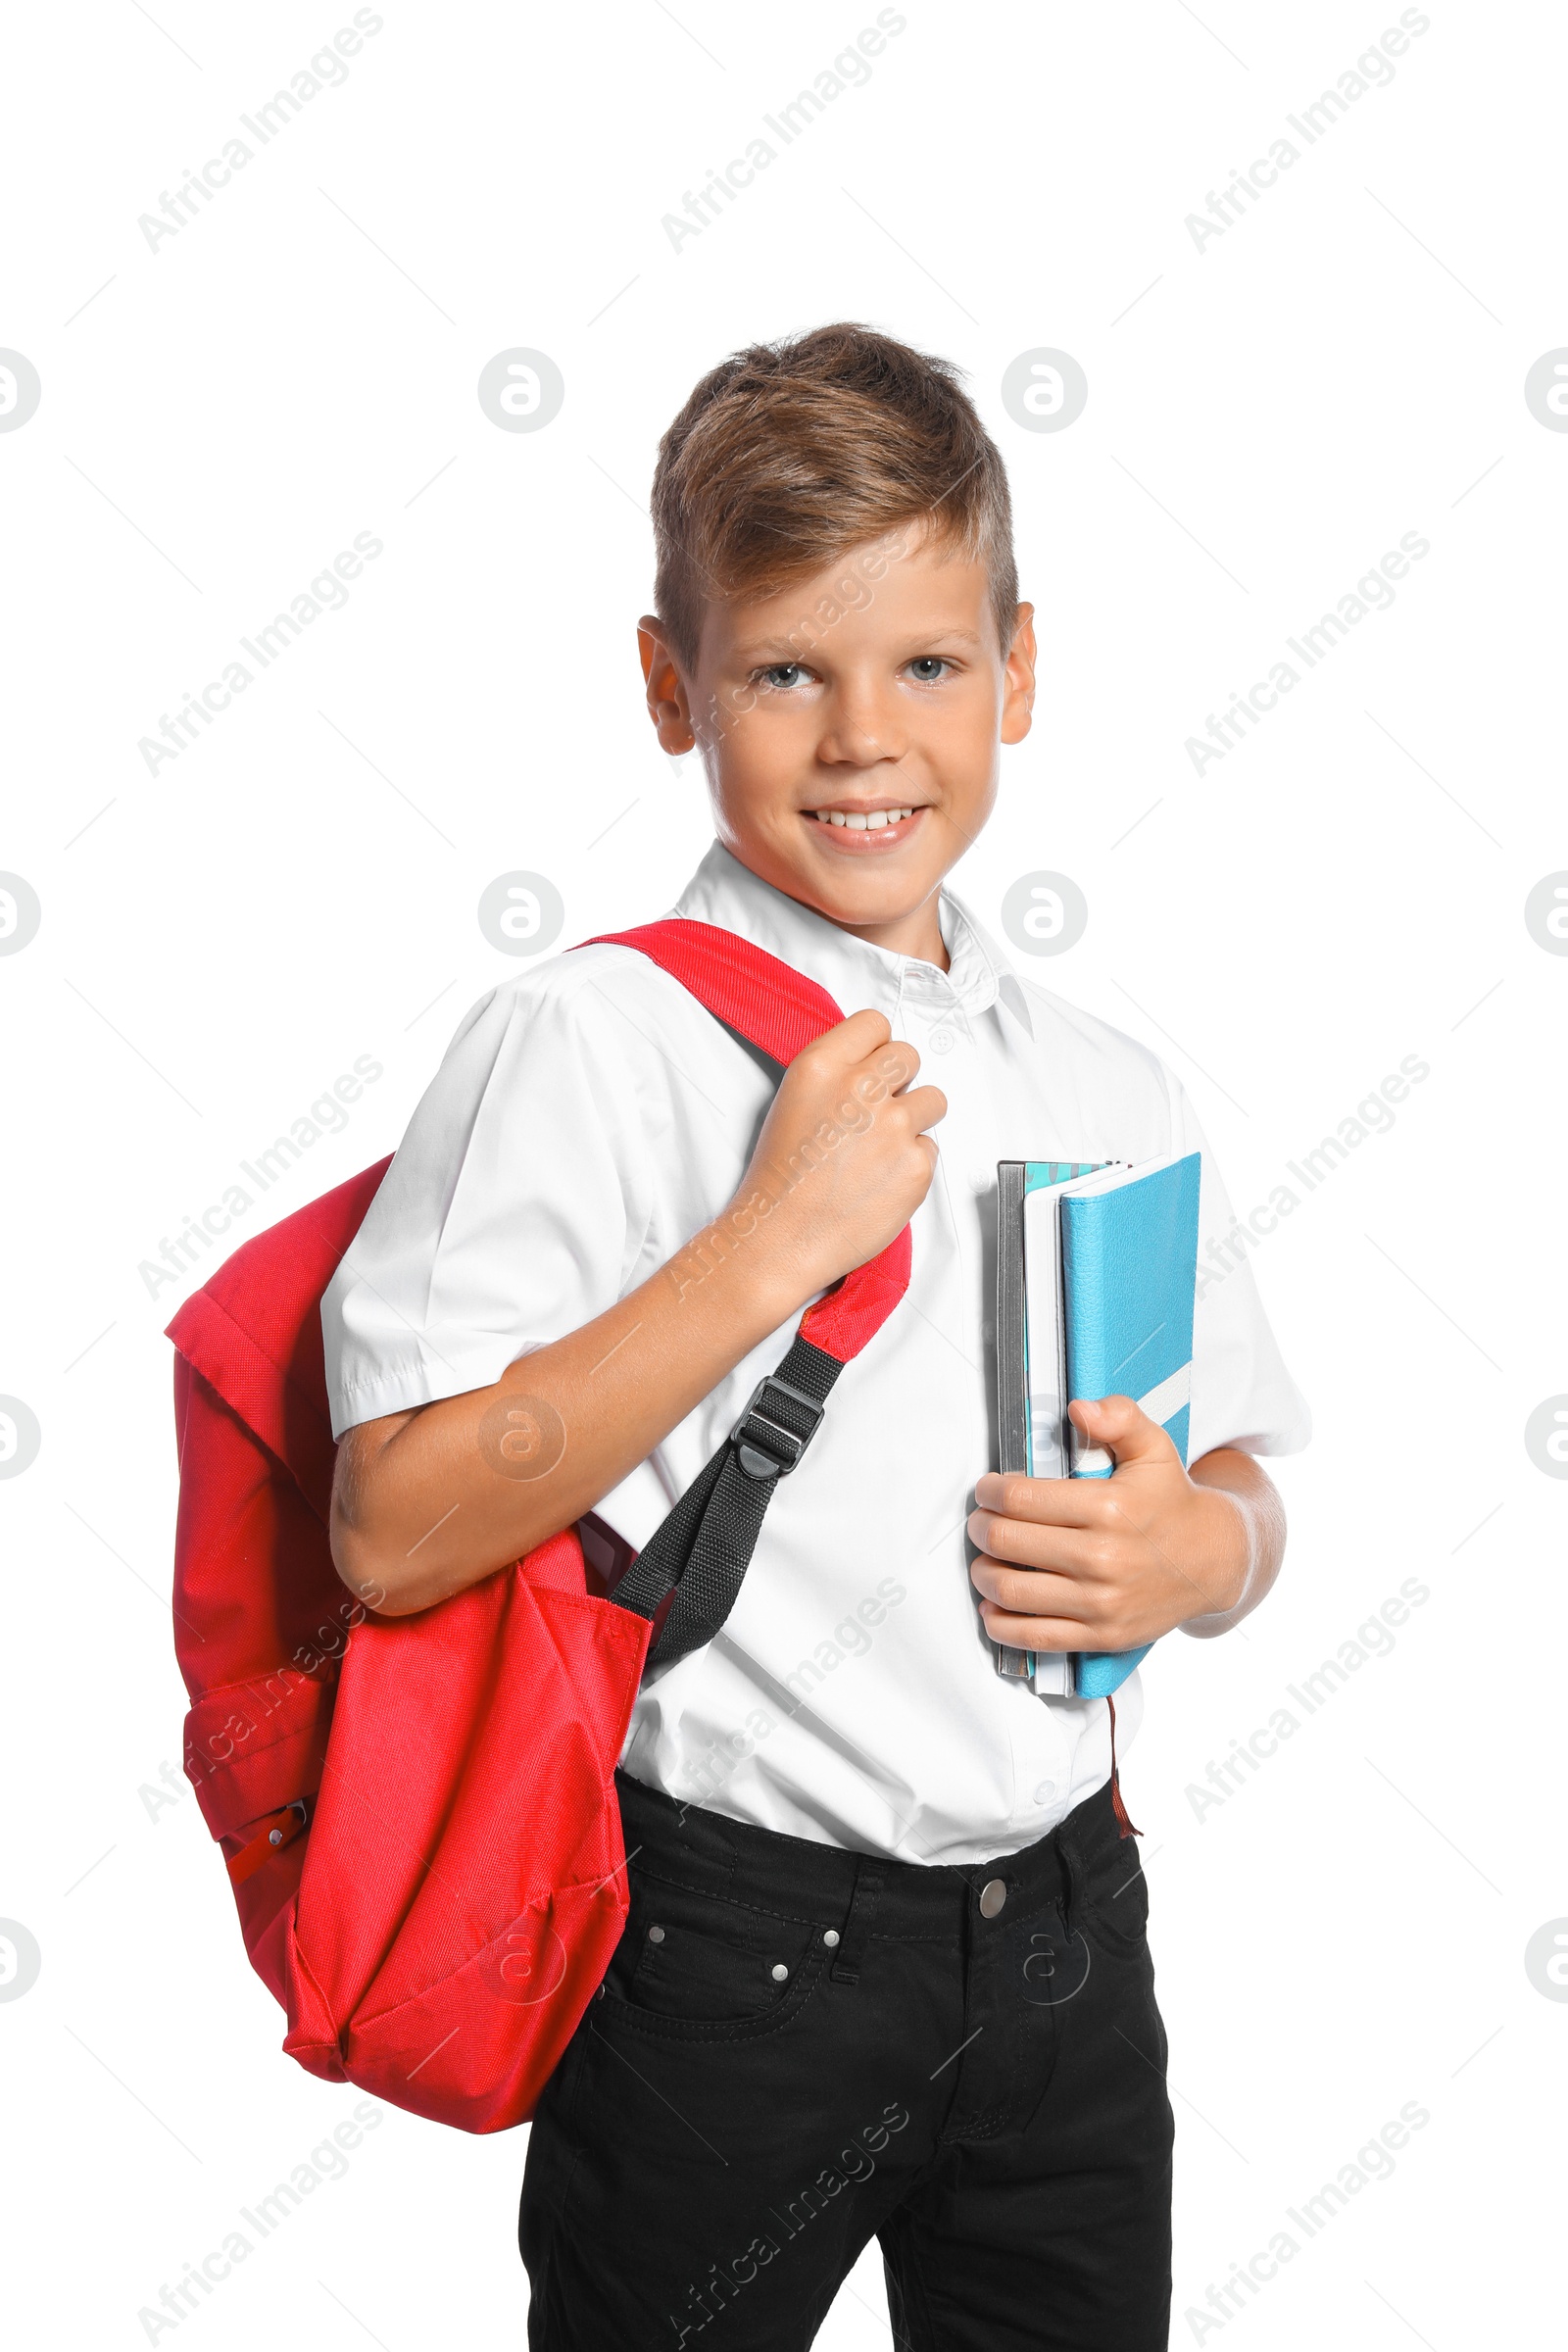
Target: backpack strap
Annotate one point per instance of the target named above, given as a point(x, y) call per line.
point(693, 1565)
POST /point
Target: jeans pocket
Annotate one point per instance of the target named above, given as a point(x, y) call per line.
point(1118, 1900)
point(693, 1958)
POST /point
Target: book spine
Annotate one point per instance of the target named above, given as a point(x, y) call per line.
point(1012, 1384)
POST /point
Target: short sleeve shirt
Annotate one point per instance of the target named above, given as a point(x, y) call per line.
point(588, 1119)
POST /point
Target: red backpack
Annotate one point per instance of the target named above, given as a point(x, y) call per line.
point(419, 1814)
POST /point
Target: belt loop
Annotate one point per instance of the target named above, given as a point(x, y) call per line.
point(856, 1929)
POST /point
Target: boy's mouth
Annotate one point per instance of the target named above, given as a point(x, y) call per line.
point(865, 829)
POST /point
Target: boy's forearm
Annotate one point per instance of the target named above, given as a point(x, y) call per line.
point(1261, 1513)
point(429, 1502)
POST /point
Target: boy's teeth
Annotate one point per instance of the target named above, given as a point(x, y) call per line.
point(870, 820)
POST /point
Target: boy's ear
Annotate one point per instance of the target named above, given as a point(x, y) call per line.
point(1018, 698)
point(669, 704)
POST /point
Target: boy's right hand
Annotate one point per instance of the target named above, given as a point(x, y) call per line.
point(843, 1160)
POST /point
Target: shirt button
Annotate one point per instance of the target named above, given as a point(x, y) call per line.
point(780, 1972)
point(830, 1936)
point(1044, 1793)
point(992, 1894)
point(940, 1040)
point(656, 1934)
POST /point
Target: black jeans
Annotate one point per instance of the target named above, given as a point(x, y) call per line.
point(796, 2047)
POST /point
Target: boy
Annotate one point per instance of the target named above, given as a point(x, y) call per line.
point(884, 1970)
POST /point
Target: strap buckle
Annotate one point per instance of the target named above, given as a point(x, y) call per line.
point(767, 1447)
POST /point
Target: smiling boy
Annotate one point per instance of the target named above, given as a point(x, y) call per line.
point(884, 1970)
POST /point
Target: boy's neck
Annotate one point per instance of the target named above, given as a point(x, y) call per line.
point(918, 934)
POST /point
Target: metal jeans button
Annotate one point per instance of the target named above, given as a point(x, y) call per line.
point(992, 1894)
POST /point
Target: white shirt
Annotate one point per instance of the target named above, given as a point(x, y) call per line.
point(590, 1117)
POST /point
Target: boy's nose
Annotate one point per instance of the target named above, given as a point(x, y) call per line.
point(860, 734)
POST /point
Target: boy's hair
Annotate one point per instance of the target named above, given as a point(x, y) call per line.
point(789, 453)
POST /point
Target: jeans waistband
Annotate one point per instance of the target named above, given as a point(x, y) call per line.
point(734, 1860)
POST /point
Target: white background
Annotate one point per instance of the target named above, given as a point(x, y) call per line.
point(1266, 415)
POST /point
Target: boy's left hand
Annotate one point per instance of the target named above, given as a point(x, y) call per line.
point(1109, 1563)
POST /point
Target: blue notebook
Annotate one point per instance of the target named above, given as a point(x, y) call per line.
point(1096, 1273)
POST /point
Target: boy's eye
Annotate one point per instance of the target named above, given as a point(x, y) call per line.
point(926, 669)
point(782, 674)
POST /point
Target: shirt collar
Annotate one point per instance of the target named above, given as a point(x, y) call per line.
point(855, 973)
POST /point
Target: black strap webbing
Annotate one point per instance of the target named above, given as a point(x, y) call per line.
point(702, 1551)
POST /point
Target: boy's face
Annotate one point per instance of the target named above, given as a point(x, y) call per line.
point(875, 693)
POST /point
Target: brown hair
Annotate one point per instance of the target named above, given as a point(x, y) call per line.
point(789, 453)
